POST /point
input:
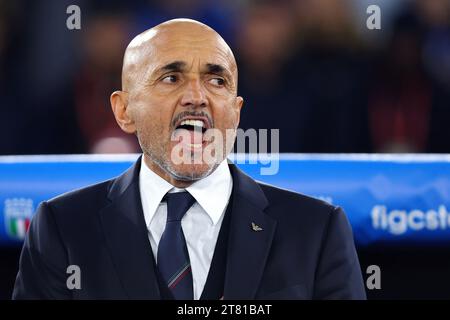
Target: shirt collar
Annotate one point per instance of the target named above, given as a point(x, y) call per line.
point(211, 193)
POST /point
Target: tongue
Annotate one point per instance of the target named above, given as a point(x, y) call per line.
point(188, 136)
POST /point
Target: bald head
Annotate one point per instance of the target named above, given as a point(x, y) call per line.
point(174, 39)
point(177, 72)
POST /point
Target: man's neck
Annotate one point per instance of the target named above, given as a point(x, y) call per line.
point(163, 174)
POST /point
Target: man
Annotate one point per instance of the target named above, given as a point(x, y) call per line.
point(173, 228)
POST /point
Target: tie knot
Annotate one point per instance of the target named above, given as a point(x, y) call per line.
point(177, 205)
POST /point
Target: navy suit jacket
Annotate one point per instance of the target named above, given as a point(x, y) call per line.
point(305, 249)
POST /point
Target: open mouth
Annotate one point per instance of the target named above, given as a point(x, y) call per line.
point(192, 125)
point(190, 131)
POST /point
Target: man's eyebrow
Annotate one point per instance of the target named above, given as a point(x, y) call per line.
point(176, 66)
point(216, 69)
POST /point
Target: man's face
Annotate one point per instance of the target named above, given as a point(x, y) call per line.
point(185, 85)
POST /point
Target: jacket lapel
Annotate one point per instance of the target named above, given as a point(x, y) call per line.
point(127, 239)
point(251, 234)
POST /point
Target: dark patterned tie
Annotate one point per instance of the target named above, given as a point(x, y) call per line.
point(173, 257)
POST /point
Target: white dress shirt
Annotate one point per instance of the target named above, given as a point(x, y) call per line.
point(201, 223)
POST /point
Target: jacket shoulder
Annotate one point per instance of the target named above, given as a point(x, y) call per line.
point(284, 200)
point(77, 198)
point(277, 194)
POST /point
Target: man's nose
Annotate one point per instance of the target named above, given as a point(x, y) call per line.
point(194, 95)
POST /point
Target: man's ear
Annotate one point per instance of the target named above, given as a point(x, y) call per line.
point(238, 107)
point(119, 105)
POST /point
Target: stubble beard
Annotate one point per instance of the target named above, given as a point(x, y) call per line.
point(159, 156)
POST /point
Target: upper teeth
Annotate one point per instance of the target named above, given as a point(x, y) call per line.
point(195, 123)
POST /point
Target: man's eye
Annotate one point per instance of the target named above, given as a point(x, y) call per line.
point(170, 79)
point(217, 81)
